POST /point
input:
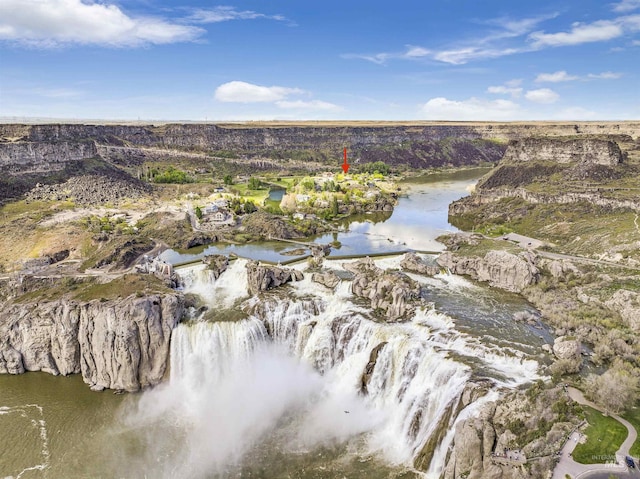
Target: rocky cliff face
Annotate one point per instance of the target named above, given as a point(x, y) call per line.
point(419, 145)
point(495, 442)
point(117, 344)
point(499, 268)
point(564, 150)
point(44, 156)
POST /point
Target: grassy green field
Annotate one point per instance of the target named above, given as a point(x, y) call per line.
point(257, 196)
point(633, 416)
point(604, 437)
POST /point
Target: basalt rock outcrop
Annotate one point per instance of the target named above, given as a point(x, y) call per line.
point(328, 279)
point(500, 269)
point(117, 344)
point(595, 151)
point(554, 170)
point(567, 348)
point(261, 277)
point(392, 293)
point(217, 263)
point(43, 156)
point(412, 263)
point(627, 304)
point(496, 440)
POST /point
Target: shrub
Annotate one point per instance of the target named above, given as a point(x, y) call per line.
point(172, 175)
point(254, 183)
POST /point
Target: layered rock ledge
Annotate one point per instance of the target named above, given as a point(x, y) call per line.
point(117, 344)
point(500, 269)
point(262, 277)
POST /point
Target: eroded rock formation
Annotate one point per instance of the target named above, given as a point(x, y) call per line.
point(391, 292)
point(116, 344)
point(328, 279)
point(499, 268)
point(217, 263)
point(414, 264)
point(262, 277)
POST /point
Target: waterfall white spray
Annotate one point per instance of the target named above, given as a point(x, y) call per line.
point(222, 292)
point(319, 360)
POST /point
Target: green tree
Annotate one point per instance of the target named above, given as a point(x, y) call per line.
point(307, 184)
point(227, 179)
point(198, 211)
point(254, 183)
point(334, 206)
point(379, 167)
point(172, 175)
point(616, 389)
point(250, 207)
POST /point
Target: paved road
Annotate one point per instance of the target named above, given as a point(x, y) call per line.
point(567, 465)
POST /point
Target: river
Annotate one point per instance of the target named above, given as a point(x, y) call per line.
point(276, 395)
point(419, 218)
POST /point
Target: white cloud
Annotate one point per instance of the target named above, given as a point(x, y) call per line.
point(412, 52)
point(563, 76)
point(511, 87)
point(489, 46)
point(471, 109)
point(243, 92)
point(556, 77)
point(505, 90)
point(48, 23)
point(308, 105)
point(626, 6)
point(605, 75)
point(416, 52)
point(226, 13)
point(464, 55)
point(601, 30)
point(543, 95)
point(378, 58)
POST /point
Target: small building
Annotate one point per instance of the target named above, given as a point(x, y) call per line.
point(302, 198)
point(219, 189)
point(218, 216)
point(221, 203)
point(210, 209)
point(298, 216)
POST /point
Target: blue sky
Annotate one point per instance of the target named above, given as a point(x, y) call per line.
point(350, 59)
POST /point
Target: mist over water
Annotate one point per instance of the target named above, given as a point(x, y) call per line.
point(208, 417)
point(288, 382)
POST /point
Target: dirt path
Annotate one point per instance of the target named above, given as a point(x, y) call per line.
point(527, 242)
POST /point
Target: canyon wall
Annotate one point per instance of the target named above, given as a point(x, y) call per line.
point(565, 150)
point(419, 145)
point(116, 344)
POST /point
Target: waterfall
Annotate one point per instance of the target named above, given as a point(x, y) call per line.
point(223, 292)
point(339, 373)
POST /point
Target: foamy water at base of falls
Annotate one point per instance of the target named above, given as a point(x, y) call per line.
point(291, 376)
